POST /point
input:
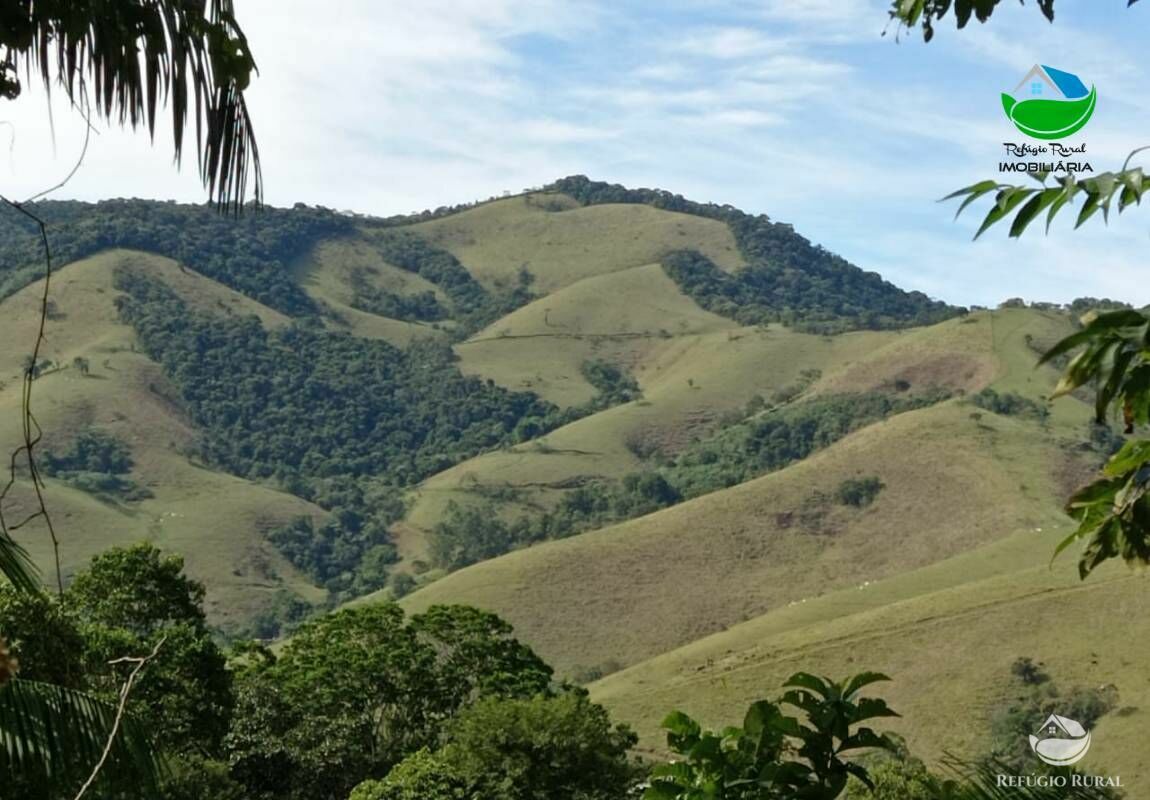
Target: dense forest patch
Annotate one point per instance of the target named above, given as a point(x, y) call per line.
point(341, 421)
point(474, 306)
point(787, 279)
point(98, 463)
point(250, 253)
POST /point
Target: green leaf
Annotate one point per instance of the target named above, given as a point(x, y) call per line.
point(17, 566)
point(1089, 208)
point(1005, 202)
point(872, 707)
point(974, 192)
point(1032, 209)
point(805, 680)
point(680, 724)
point(862, 679)
point(53, 735)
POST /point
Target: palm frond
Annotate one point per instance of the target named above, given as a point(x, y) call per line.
point(16, 565)
point(54, 736)
point(127, 58)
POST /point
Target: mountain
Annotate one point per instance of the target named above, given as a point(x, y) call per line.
point(681, 448)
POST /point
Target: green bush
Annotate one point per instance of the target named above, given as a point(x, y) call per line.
point(91, 451)
point(1010, 404)
point(95, 462)
point(859, 492)
point(540, 748)
point(773, 754)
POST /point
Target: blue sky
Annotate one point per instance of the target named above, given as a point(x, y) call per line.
point(800, 109)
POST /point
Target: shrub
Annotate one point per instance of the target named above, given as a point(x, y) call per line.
point(1010, 404)
point(859, 492)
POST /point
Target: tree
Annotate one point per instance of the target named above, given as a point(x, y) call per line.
point(123, 59)
point(420, 776)
point(373, 688)
point(137, 600)
point(137, 589)
point(538, 748)
point(773, 755)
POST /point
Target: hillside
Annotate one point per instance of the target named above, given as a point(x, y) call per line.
point(626, 593)
point(682, 449)
point(215, 520)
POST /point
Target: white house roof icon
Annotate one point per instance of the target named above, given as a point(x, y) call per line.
point(1051, 84)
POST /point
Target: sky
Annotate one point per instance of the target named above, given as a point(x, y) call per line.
point(799, 109)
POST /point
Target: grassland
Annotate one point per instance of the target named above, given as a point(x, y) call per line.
point(947, 634)
point(559, 247)
point(326, 276)
point(214, 520)
point(629, 592)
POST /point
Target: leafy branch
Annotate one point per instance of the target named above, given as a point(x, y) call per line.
point(1113, 512)
point(1126, 186)
point(911, 14)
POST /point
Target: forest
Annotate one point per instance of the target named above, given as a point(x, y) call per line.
point(787, 279)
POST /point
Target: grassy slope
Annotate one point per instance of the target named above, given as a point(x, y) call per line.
point(690, 379)
point(947, 634)
point(632, 591)
point(942, 583)
point(623, 316)
point(325, 273)
point(688, 382)
point(214, 520)
point(496, 240)
point(941, 578)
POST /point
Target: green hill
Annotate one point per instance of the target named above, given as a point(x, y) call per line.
point(690, 450)
point(215, 520)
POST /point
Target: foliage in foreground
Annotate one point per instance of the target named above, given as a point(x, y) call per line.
point(540, 748)
point(773, 754)
point(351, 696)
point(1113, 512)
point(130, 602)
point(125, 61)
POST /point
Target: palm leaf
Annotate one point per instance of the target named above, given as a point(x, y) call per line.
point(16, 565)
point(52, 736)
point(125, 59)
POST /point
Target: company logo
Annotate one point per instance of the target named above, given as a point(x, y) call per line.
point(1049, 103)
point(1061, 741)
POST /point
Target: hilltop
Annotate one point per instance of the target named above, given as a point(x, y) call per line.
point(683, 449)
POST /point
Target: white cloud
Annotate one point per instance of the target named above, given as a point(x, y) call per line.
point(728, 43)
point(796, 108)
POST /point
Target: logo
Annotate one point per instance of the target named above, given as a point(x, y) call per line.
point(1049, 103)
point(1061, 741)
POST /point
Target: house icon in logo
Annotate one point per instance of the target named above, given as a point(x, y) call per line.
point(1048, 83)
point(1060, 741)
